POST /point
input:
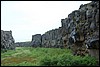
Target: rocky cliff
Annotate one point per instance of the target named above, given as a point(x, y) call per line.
point(52, 38)
point(79, 31)
point(36, 40)
point(82, 28)
point(7, 40)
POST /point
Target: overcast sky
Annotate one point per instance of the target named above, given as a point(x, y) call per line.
point(27, 18)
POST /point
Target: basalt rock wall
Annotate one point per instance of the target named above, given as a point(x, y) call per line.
point(79, 31)
point(7, 40)
point(82, 28)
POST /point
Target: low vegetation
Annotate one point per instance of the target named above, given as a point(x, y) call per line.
point(28, 56)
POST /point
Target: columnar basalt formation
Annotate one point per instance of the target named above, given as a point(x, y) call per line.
point(7, 40)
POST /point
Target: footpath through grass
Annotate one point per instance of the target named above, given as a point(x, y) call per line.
point(28, 56)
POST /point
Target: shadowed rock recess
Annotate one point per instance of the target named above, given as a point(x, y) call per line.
point(79, 32)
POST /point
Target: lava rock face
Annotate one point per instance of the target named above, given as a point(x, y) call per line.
point(36, 40)
point(7, 41)
point(83, 27)
point(79, 28)
point(79, 32)
point(51, 38)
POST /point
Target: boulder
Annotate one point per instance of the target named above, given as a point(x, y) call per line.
point(93, 44)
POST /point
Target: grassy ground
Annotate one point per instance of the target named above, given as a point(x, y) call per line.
point(28, 56)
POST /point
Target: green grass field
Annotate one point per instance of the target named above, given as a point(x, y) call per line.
point(28, 56)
